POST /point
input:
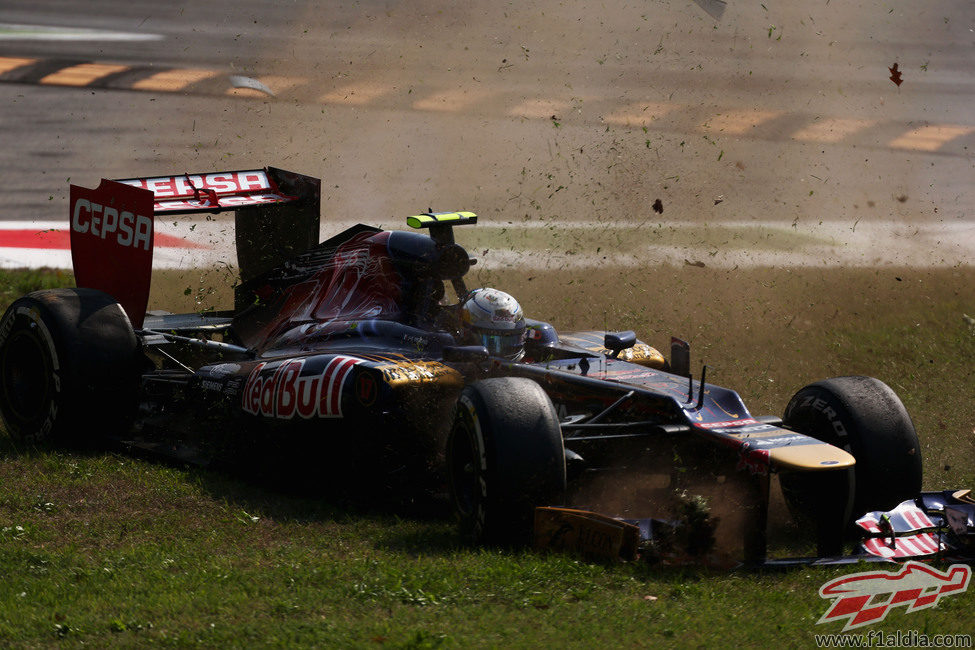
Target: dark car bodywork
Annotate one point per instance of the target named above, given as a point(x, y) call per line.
point(345, 355)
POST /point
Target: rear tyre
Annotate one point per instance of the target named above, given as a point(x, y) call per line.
point(68, 364)
point(505, 457)
point(863, 416)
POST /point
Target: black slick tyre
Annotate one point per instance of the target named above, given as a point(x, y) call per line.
point(68, 364)
point(863, 416)
point(505, 457)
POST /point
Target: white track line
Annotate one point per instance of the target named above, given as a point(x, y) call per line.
point(835, 244)
point(16, 32)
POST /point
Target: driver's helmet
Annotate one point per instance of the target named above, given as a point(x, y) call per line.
point(495, 320)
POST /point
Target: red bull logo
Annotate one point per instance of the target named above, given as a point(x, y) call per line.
point(755, 461)
point(286, 392)
point(864, 598)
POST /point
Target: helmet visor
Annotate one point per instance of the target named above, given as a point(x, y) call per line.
point(503, 343)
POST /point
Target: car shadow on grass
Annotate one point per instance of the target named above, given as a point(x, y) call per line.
point(407, 520)
point(415, 522)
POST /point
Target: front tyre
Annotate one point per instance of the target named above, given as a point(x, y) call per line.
point(863, 416)
point(505, 457)
point(68, 363)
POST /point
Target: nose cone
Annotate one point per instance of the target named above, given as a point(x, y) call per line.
point(818, 456)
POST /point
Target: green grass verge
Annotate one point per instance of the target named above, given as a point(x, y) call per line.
point(14, 284)
point(103, 549)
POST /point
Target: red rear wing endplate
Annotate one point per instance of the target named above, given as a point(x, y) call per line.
point(277, 214)
point(111, 243)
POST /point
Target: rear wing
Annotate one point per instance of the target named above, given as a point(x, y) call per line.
point(217, 192)
point(276, 216)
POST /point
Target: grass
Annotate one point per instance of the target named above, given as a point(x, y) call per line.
point(14, 284)
point(104, 549)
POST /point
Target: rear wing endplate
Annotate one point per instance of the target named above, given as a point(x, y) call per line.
point(276, 216)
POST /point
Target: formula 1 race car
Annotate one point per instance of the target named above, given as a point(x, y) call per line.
point(347, 360)
point(931, 526)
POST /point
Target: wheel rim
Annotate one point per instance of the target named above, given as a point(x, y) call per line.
point(463, 473)
point(26, 373)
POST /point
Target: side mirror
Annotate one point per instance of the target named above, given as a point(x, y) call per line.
point(680, 357)
point(619, 341)
point(465, 353)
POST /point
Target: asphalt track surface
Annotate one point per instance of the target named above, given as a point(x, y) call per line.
point(528, 113)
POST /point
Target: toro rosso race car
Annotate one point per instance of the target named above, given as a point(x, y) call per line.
point(365, 358)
